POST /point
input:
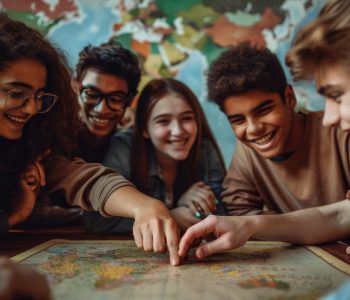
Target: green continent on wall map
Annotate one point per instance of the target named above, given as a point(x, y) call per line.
point(118, 270)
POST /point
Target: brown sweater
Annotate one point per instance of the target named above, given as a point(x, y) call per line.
point(317, 173)
point(87, 185)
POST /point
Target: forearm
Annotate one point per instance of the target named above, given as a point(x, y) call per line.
point(307, 226)
point(127, 201)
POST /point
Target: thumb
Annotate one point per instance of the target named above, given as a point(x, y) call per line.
point(215, 246)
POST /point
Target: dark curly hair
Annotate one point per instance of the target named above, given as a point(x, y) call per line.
point(113, 59)
point(245, 68)
point(54, 130)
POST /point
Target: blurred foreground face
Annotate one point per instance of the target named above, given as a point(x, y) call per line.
point(103, 99)
point(333, 83)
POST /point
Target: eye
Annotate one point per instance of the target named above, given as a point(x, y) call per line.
point(163, 121)
point(265, 110)
point(91, 94)
point(236, 121)
point(188, 118)
point(335, 97)
point(17, 94)
point(117, 100)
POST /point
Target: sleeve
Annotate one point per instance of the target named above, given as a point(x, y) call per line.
point(117, 158)
point(4, 225)
point(215, 174)
point(240, 195)
point(84, 184)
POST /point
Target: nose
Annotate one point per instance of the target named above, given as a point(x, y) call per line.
point(254, 127)
point(101, 107)
point(30, 107)
point(331, 115)
point(176, 127)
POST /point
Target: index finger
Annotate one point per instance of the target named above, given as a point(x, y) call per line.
point(172, 239)
point(196, 231)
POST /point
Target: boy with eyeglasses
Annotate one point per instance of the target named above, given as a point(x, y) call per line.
point(107, 77)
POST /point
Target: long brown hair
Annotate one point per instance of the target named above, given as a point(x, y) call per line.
point(188, 170)
point(56, 129)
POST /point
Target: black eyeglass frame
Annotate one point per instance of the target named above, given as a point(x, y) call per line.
point(126, 98)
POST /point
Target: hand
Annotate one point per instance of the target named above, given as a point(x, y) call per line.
point(20, 281)
point(199, 198)
point(155, 230)
point(230, 232)
point(32, 178)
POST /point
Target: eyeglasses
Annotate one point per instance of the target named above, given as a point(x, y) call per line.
point(16, 98)
point(116, 101)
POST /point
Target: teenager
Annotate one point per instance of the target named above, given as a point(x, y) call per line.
point(38, 106)
point(170, 155)
point(320, 52)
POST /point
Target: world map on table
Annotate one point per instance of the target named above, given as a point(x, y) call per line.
point(119, 270)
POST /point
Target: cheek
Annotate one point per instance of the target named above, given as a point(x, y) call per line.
point(238, 131)
point(344, 111)
point(157, 134)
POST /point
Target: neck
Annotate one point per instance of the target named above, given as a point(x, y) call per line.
point(297, 133)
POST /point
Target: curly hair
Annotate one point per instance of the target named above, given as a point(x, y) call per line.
point(245, 68)
point(54, 130)
point(323, 42)
point(113, 59)
point(187, 174)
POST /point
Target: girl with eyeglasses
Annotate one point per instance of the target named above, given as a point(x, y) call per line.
point(39, 109)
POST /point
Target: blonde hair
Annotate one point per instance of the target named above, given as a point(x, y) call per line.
point(324, 41)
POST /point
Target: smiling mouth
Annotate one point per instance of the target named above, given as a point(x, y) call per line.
point(178, 142)
point(101, 120)
point(265, 139)
point(16, 119)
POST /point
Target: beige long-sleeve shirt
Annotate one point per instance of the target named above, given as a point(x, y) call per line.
point(317, 173)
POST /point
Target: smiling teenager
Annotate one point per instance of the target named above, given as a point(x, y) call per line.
point(320, 52)
point(280, 153)
point(107, 78)
point(38, 105)
point(170, 155)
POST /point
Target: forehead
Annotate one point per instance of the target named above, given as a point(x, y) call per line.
point(332, 76)
point(29, 71)
point(245, 103)
point(104, 81)
point(170, 104)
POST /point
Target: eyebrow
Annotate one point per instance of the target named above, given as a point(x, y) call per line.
point(93, 87)
point(260, 106)
point(22, 85)
point(326, 89)
point(168, 115)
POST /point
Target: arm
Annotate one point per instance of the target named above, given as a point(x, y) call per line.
point(93, 186)
point(240, 195)
point(300, 227)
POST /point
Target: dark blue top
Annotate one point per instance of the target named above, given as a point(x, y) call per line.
point(118, 157)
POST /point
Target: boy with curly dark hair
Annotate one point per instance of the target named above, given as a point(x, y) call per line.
point(282, 162)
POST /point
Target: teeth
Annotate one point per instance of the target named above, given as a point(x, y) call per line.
point(178, 143)
point(264, 139)
point(102, 121)
point(16, 119)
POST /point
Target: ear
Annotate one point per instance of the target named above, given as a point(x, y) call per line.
point(290, 98)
